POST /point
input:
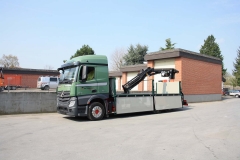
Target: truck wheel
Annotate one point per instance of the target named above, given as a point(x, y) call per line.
point(96, 111)
point(46, 88)
point(13, 88)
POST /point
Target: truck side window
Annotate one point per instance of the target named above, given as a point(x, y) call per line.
point(90, 73)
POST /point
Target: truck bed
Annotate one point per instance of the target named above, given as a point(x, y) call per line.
point(166, 96)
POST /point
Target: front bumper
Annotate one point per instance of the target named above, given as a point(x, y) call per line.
point(63, 108)
point(74, 111)
point(68, 111)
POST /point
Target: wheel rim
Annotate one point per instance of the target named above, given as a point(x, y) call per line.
point(96, 111)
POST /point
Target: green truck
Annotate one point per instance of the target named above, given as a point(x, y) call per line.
point(86, 90)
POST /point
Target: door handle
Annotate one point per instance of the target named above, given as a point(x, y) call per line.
point(94, 90)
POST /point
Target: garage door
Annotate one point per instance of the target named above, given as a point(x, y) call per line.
point(131, 75)
point(163, 63)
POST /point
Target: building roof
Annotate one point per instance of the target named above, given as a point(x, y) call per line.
point(133, 68)
point(30, 71)
point(115, 73)
point(174, 53)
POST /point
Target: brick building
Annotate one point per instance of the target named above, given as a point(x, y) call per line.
point(200, 75)
point(28, 77)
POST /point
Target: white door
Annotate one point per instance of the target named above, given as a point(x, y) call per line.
point(131, 75)
point(163, 63)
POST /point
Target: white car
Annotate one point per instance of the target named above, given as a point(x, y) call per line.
point(235, 93)
point(45, 83)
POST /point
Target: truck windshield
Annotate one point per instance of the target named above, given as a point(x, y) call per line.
point(68, 75)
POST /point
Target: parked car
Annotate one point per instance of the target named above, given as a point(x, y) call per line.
point(45, 83)
point(235, 93)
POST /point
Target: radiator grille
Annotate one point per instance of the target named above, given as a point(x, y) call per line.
point(63, 96)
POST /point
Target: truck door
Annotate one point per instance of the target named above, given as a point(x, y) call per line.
point(88, 87)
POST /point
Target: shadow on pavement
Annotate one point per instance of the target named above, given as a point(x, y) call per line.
point(129, 115)
point(78, 119)
point(227, 97)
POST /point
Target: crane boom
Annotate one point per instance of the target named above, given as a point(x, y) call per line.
point(166, 72)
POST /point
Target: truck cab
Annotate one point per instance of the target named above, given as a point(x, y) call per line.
point(83, 86)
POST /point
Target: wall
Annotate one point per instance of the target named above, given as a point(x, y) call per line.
point(27, 102)
point(202, 98)
point(150, 78)
point(201, 81)
point(178, 66)
point(200, 77)
point(124, 78)
point(29, 80)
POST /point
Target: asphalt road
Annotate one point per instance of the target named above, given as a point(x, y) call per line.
point(202, 131)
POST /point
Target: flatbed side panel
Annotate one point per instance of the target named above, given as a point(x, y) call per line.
point(133, 104)
point(168, 102)
point(168, 87)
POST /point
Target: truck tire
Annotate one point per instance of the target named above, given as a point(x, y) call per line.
point(14, 87)
point(96, 111)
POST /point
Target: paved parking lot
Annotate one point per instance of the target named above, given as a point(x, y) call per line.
point(201, 131)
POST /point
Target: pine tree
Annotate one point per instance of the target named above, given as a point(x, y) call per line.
point(211, 48)
point(169, 45)
point(135, 55)
point(85, 50)
point(236, 70)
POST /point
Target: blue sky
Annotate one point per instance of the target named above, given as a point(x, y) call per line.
point(47, 32)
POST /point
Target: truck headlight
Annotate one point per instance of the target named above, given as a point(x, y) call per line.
point(72, 102)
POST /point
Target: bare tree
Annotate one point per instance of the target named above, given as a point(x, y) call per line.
point(9, 61)
point(117, 59)
point(48, 67)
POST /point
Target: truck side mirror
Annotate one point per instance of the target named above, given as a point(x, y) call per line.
point(84, 73)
